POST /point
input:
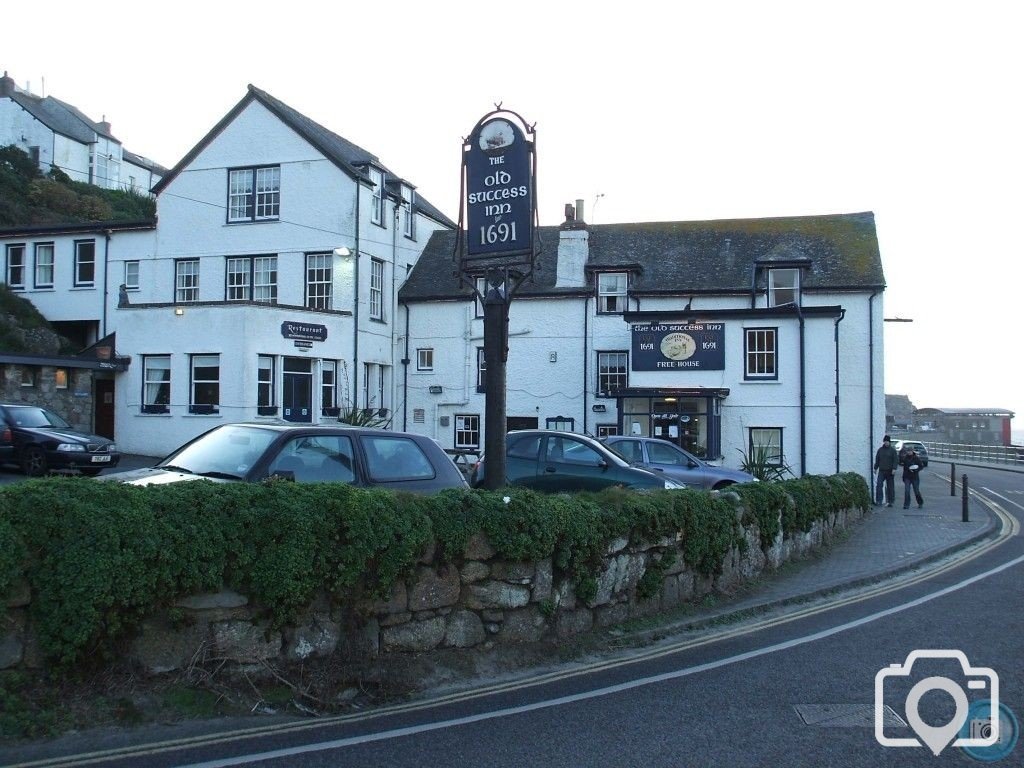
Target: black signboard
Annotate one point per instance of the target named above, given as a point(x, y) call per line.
point(679, 347)
point(499, 190)
point(304, 331)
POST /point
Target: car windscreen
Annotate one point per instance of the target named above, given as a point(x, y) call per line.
point(36, 417)
point(228, 450)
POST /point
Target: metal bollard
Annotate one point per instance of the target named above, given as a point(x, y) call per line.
point(952, 479)
point(966, 514)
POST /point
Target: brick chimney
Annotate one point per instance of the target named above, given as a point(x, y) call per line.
point(105, 126)
point(573, 248)
point(7, 86)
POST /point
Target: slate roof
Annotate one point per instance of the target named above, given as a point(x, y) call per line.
point(837, 251)
point(349, 157)
point(56, 116)
point(143, 162)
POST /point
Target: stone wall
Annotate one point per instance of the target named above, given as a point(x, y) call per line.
point(481, 602)
point(73, 403)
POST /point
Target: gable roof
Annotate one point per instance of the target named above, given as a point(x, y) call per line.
point(56, 116)
point(838, 251)
point(142, 162)
point(348, 157)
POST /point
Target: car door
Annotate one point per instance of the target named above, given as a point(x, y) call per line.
point(675, 463)
point(569, 464)
point(521, 455)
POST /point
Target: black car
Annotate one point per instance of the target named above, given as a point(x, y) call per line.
point(38, 440)
point(307, 454)
point(554, 461)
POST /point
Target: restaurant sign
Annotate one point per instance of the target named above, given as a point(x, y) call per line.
point(304, 331)
point(679, 347)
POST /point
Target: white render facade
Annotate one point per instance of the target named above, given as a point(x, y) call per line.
point(572, 363)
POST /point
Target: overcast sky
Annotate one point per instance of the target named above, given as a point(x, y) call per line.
point(681, 111)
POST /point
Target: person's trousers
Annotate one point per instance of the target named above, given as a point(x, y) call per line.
point(914, 483)
point(888, 481)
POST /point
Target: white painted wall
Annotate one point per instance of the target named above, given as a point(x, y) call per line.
point(19, 128)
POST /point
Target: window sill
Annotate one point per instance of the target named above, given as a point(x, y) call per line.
point(380, 320)
point(760, 381)
point(204, 410)
point(266, 410)
point(83, 287)
point(151, 410)
point(251, 221)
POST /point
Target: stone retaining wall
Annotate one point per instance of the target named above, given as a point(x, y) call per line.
point(481, 603)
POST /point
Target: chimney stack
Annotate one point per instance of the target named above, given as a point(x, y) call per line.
point(7, 86)
point(105, 126)
point(573, 249)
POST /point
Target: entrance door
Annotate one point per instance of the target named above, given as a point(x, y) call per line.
point(297, 399)
point(103, 408)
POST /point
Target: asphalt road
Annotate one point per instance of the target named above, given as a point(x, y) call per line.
point(793, 693)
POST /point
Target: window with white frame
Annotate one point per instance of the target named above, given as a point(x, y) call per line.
point(16, 266)
point(375, 387)
point(252, 279)
point(254, 194)
point(377, 202)
point(761, 353)
point(612, 371)
point(481, 290)
point(765, 445)
point(205, 389)
point(318, 280)
point(131, 275)
point(85, 263)
point(376, 289)
point(467, 430)
point(607, 430)
point(611, 292)
point(561, 423)
point(44, 265)
point(186, 280)
point(329, 387)
point(481, 370)
point(783, 287)
point(156, 383)
point(265, 388)
point(408, 213)
point(425, 359)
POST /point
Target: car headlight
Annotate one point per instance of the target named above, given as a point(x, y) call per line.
point(71, 447)
point(111, 448)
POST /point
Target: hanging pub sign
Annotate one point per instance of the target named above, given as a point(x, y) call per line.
point(679, 347)
point(304, 331)
point(499, 171)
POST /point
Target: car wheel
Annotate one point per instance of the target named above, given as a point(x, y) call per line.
point(33, 461)
point(91, 472)
point(723, 484)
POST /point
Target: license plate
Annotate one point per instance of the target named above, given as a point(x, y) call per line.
point(100, 459)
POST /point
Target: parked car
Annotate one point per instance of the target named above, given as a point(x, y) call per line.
point(307, 454)
point(902, 446)
point(662, 456)
point(38, 440)
point(554, 461)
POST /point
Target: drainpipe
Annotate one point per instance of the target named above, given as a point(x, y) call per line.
point(586, 357)
point(393, 307)
point(839, 319)
point(106, 279)
point(355, 310)
point(405, 366)
point(803, 396)
point(871, 382)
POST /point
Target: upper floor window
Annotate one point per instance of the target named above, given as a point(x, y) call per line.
point(481, 370)
point(252, 279)
point(376, 289)
point(425, 359)
point(85, 262)
point(186, 280)
point(481, 290)
point(611, 292)
point(783, 287)
point(377, 203)
point(16, 266)
point(408, 214)
point(254, 194)
point(44, 265)
point(761, 351)
point(318, 280)
point(131, 274)
point(612, 371)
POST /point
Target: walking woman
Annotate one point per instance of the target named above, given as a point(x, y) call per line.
point(911, 478)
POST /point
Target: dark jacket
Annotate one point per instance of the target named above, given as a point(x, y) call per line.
point(908, 460)
point(886, 459)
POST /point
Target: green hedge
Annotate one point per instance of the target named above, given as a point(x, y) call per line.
point(99, 557)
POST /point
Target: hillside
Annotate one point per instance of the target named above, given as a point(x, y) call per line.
point(27, 197)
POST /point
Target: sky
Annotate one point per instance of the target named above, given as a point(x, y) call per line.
point(647, 111)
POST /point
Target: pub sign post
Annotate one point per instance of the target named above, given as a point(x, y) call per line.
point(497, 219)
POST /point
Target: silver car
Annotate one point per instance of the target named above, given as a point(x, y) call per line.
point(663, 456)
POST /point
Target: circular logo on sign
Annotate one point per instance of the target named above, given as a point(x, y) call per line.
point(678, 346)
point(497, 136)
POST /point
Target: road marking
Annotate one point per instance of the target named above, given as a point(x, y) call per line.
point(601, 692)
point(1009, 526)
point(1010, 501)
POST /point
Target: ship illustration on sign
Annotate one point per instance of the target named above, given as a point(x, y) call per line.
point(497, 135)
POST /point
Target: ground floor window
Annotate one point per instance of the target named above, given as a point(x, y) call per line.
point(265, 386)
point(156, 383)
point(605, 430)
point(561, 423)
point(765, 445)
point(329, 388)
point(467, 431)
point(692, 423)
point(205, 388)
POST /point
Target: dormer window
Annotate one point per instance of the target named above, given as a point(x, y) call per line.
point(611, 292)
point(408, 215)
point(377, 204)
point(783, 287)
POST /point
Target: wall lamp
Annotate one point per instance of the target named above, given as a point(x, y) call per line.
point(344, 251)
point(178, 311)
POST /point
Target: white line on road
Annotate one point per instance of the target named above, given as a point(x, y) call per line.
point(1009, 501)
point(599, 692)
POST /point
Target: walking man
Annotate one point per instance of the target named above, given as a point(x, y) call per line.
point(886, 461)
point(911, 478)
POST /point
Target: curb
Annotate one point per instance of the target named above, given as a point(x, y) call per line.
point(706, 620)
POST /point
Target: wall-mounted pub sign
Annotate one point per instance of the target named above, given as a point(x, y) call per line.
point(679, 347)
point(304, 331)
point(499, 188)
